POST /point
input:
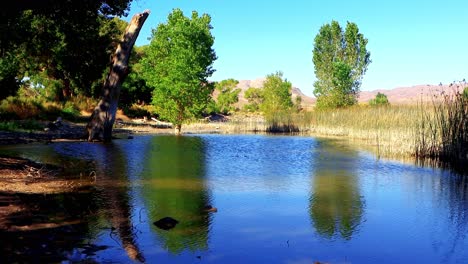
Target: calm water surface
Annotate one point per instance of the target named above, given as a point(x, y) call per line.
point(280, 199)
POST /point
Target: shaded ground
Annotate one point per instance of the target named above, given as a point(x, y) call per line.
point(52, 132)
point(19, 175)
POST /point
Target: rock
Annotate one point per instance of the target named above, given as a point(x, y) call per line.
point(210, 209)
point(130, 137)
point(52, 126)
point(58, 122)
point(166, 223)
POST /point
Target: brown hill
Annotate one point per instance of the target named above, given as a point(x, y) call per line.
point(413, 94)
point(399, 95)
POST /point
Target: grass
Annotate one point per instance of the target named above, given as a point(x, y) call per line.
point(30, 108)
point(442, 134)
point(390, 130)
point(21, 125)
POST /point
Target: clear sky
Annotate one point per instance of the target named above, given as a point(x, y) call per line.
point(411, 41)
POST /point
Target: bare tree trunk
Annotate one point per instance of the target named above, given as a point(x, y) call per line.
point(178, 130)
point(103, 117)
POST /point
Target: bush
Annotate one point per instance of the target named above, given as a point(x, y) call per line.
point(17, 108)
point(21, 125)
point(138, 111)
point(13, 108)
point(379, 100)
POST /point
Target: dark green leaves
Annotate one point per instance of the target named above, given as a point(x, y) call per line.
point(228, 95)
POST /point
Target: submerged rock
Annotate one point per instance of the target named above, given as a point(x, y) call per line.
point(166, 223)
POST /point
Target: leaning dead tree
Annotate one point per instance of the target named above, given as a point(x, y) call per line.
point(103, 117)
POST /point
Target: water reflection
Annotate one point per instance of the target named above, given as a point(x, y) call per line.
point(261, 186)
point(44, 228)
point(111, 166)
point(175, 171)
point(336, 206)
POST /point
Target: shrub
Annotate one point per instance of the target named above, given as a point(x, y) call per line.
point(379, 100)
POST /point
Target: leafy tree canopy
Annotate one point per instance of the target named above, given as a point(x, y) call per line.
point(255, 98)
point(228, 95)
point(341, 60)
point(69, 41)
point(276, 94)
point(135, 89)
point(379, 100)
point(177, 64)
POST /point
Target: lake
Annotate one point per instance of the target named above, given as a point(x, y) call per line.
point(279, 199)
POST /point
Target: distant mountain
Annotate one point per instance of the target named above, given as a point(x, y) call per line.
point(413, 94)
point(399, 95)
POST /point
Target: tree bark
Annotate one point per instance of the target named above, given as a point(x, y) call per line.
point(103, 117)
point(178, 130)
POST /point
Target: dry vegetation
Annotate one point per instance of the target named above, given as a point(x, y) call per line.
point(390, 129)
point(19, 175)
point(431, 130)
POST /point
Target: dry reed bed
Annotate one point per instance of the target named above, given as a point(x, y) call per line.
point(389, 130)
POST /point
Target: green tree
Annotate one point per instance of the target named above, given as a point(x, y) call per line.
point(298, 103)
point(228, 95)
point(341, 60)
point(465, 93)
point(178, 62)
point(9, 83)
point(68, 41)
point(379, 100)
point(276, 95)
point(255, 98)
point(135, 89)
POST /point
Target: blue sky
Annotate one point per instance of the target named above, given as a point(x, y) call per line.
point(411, 42)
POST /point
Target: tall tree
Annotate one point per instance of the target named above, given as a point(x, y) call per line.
point(135, 89)
point(228, 95)
point(69, 41)
point(178, 62)
point(341, 60)
point(276, 94)
point(102, 120)
point(255, 98)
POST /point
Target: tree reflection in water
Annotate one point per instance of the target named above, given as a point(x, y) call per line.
point(37, 228)
point(115, 189)
point(175, 187)
point(336, 206)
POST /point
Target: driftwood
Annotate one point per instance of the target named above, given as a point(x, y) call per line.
point(103, 117)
